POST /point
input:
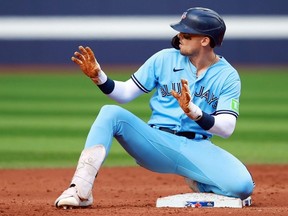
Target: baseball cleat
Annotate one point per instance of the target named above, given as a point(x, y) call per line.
point(69, 199)
point(247, 201)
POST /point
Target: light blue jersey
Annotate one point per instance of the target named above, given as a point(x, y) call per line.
point(215, 91)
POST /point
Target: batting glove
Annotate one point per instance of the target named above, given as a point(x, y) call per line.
point(184, 100)
point(88, 64)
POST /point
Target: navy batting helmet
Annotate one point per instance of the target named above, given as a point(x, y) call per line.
point(201, 21)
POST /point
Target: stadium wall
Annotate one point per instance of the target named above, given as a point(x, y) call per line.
point(129, 31)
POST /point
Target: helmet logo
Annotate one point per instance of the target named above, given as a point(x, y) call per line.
point(183, 15)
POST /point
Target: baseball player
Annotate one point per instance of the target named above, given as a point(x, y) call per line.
point(197, 96)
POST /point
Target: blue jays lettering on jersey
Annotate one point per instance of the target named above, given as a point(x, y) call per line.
point(216, 91)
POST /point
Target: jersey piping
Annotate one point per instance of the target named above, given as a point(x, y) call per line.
point(139, 84)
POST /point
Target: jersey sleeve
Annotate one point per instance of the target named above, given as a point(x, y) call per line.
point(145, 77)
point(228, 102)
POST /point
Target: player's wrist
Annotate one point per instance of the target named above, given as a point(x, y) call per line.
point(100, 79)
point(206, 121)
point(108, 86)
point(105, 84)
point(194, 112)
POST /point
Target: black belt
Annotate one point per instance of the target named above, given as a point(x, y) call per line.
point(187, 134)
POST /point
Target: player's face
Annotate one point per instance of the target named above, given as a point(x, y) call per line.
point(190, 44)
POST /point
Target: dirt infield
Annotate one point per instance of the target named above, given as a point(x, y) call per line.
point(131, 191)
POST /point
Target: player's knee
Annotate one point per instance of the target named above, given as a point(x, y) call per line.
point(111, 114)
point(243, 189)
point(111, 110)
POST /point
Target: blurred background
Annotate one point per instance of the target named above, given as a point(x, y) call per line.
point(128, 32)
point(47, 105)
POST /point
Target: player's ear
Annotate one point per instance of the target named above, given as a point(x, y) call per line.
point(175, 42)
point(205, 41)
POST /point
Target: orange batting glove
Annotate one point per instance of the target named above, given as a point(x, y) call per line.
point(184, 100)
point(87, 62)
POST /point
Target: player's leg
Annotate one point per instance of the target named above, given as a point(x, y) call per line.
point(217, 170)
point(200, 160)
point(140, 140)
point(214, 170)
point(79, 192)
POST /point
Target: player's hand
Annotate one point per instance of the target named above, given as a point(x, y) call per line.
point(184, 100)
point(87, 62)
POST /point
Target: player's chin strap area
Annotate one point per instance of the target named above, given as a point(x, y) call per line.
point(187, 134)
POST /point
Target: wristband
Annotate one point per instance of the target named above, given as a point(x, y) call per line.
point(206, 121)
point(107, 87)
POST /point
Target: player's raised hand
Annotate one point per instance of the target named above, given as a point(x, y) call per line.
point(87, 62)
point(184, 100)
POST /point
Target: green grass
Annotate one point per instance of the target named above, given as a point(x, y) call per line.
point(45, 118)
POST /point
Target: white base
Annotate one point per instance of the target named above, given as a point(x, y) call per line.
point(197, 200)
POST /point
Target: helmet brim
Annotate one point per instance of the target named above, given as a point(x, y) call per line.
point(180, 27)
